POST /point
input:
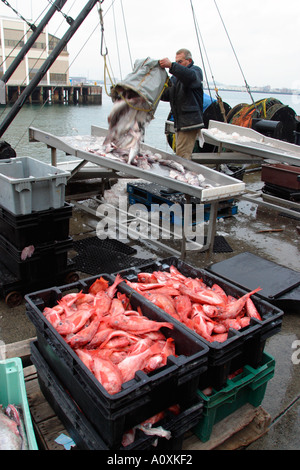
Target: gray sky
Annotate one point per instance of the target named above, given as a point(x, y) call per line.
point(264, 34)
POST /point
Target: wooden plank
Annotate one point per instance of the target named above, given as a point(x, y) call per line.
point(19, 349)
point(228, 428)
point(50, 430)
point(253, 431)
point(47, 426)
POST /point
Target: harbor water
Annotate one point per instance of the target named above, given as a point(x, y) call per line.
point(76, 120)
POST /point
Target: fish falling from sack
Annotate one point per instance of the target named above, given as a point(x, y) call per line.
point(127, 121)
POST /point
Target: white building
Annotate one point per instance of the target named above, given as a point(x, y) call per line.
point(13, 34)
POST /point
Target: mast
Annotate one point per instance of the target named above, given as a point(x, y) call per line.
point(18, 59)
point(46, 65)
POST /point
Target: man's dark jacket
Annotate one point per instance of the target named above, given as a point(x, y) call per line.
point(185, 94)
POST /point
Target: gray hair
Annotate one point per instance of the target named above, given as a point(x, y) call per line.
point(186, 52)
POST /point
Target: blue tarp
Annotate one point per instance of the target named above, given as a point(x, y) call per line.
point(207, 101)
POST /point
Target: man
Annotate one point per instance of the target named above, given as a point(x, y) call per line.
point(185, 94)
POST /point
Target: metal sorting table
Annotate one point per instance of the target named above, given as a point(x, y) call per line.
point(247, 141)
point(237, 141)
point(221, 187)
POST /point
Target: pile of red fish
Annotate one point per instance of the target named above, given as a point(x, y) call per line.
point(112, 339)
point(209, 311)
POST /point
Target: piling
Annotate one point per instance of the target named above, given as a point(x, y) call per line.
point(61, 94)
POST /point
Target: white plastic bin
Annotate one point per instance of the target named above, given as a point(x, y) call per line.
point(28, 185)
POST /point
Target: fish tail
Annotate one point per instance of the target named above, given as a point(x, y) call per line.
point(167, 325)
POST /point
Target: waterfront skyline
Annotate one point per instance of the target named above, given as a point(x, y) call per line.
point(263, 36)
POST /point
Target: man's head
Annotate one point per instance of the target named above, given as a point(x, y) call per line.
point(183, 57)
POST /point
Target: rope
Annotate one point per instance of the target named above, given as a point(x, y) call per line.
point(54, 88)
point(117, 42)
point(219, 99)
point(195, 24)
point(68, 19)
point(106, 69)
point(264, 108)
point(8, 56)
point(31, 25)
point(246, 84)
point(126, 34)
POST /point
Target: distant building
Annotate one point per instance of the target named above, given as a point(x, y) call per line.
point(78, 80)
point(13, 34)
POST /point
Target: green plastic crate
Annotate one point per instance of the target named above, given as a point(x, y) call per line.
point(247, 387)
point(13, 391)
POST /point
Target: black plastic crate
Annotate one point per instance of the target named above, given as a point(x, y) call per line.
point(13, 289)
point(141, 397)
point(35, 228)
point(85, 435)
point(47, 260)
point(244, 346)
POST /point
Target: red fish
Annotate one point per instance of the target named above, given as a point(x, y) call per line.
point(166, 290)
point(153, 335)
point(102, 303)
point(75, 322)
point(125, 300)
point(162, 276)
point(218, 311)
point(224, 325)
point(117, 333)
point(251, 309)
point(195, 285)
point(112, 289)
point(85, 334)
point(136, 324)
point(136, 362)
point(53, 314)
point(218, 289)
point(116, 307)
point(99, 337)
point(162, 301)
point(134, 285)
point(202, 327)
point(108, 375)
point(220, 338)
point(71, 302)
point(160, 359)
point(86, 357)
point(99, 285)
point(176, 274)
point(183, 306)
point(140, 346)
point(147, 277)
point(204, 296)
point(232, 309)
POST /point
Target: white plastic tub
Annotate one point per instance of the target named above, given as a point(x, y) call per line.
point(28, 185)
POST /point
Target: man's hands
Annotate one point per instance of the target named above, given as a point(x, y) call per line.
point(165, 63)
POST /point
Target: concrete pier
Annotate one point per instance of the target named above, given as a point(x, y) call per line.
point(71, 94)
